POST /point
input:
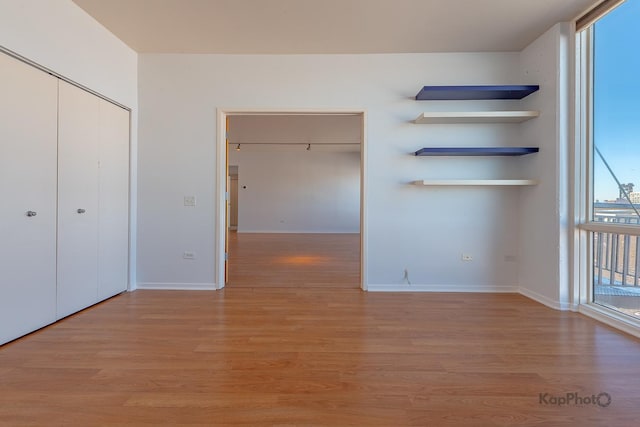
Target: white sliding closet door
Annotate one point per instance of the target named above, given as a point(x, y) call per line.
point(78, 136)
point(28, 112)
point(113, 232)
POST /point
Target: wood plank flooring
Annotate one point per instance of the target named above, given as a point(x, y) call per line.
point(310, 356)
point(318, 351)
point(294, 260)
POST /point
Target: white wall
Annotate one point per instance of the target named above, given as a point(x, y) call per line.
point(297, 191)
point(544, 261)
point(60, 36)
point(336, 131)
point(283, 187)
point(423, 230)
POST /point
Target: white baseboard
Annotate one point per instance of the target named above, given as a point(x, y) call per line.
point(542, 299)
point(177, 286)
point(441, 288)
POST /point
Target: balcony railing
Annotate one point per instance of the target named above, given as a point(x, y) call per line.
point(616, 257)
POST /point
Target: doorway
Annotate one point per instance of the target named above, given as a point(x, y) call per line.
point(233, 198)
point(265, 230)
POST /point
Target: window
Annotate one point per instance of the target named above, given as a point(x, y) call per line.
point(613, 219)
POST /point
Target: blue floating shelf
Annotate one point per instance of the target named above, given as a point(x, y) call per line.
point(476, 151)
point(429, 93)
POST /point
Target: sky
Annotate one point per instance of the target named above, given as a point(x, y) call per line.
point(617, 99)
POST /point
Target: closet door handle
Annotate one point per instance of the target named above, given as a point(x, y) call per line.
point(81, 211)
point(32, 213)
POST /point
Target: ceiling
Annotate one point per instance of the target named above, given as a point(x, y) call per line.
point(330, 26)
point(287, 132)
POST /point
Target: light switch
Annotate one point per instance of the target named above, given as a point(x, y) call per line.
point(189, 200)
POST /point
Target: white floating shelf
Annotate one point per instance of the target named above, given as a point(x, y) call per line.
point(475, 182)
point(476, 116)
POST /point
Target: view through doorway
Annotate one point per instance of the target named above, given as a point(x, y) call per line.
point(293, 200)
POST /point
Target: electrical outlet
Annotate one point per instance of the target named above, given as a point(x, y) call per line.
point(467, 257)
point(189, 255)
point(189, 200)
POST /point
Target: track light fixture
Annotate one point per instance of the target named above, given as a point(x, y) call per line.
point(238, 147)
point(308, 147)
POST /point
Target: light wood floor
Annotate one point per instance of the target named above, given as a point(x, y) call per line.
point(314, 356)
point(294, 260)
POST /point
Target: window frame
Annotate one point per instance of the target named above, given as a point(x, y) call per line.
point(585, 226)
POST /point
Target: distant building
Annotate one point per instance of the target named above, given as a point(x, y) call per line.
point(634, 197)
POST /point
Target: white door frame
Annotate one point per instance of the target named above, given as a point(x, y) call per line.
point(221, 175)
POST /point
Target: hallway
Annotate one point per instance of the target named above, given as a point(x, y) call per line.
point(281, 260)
